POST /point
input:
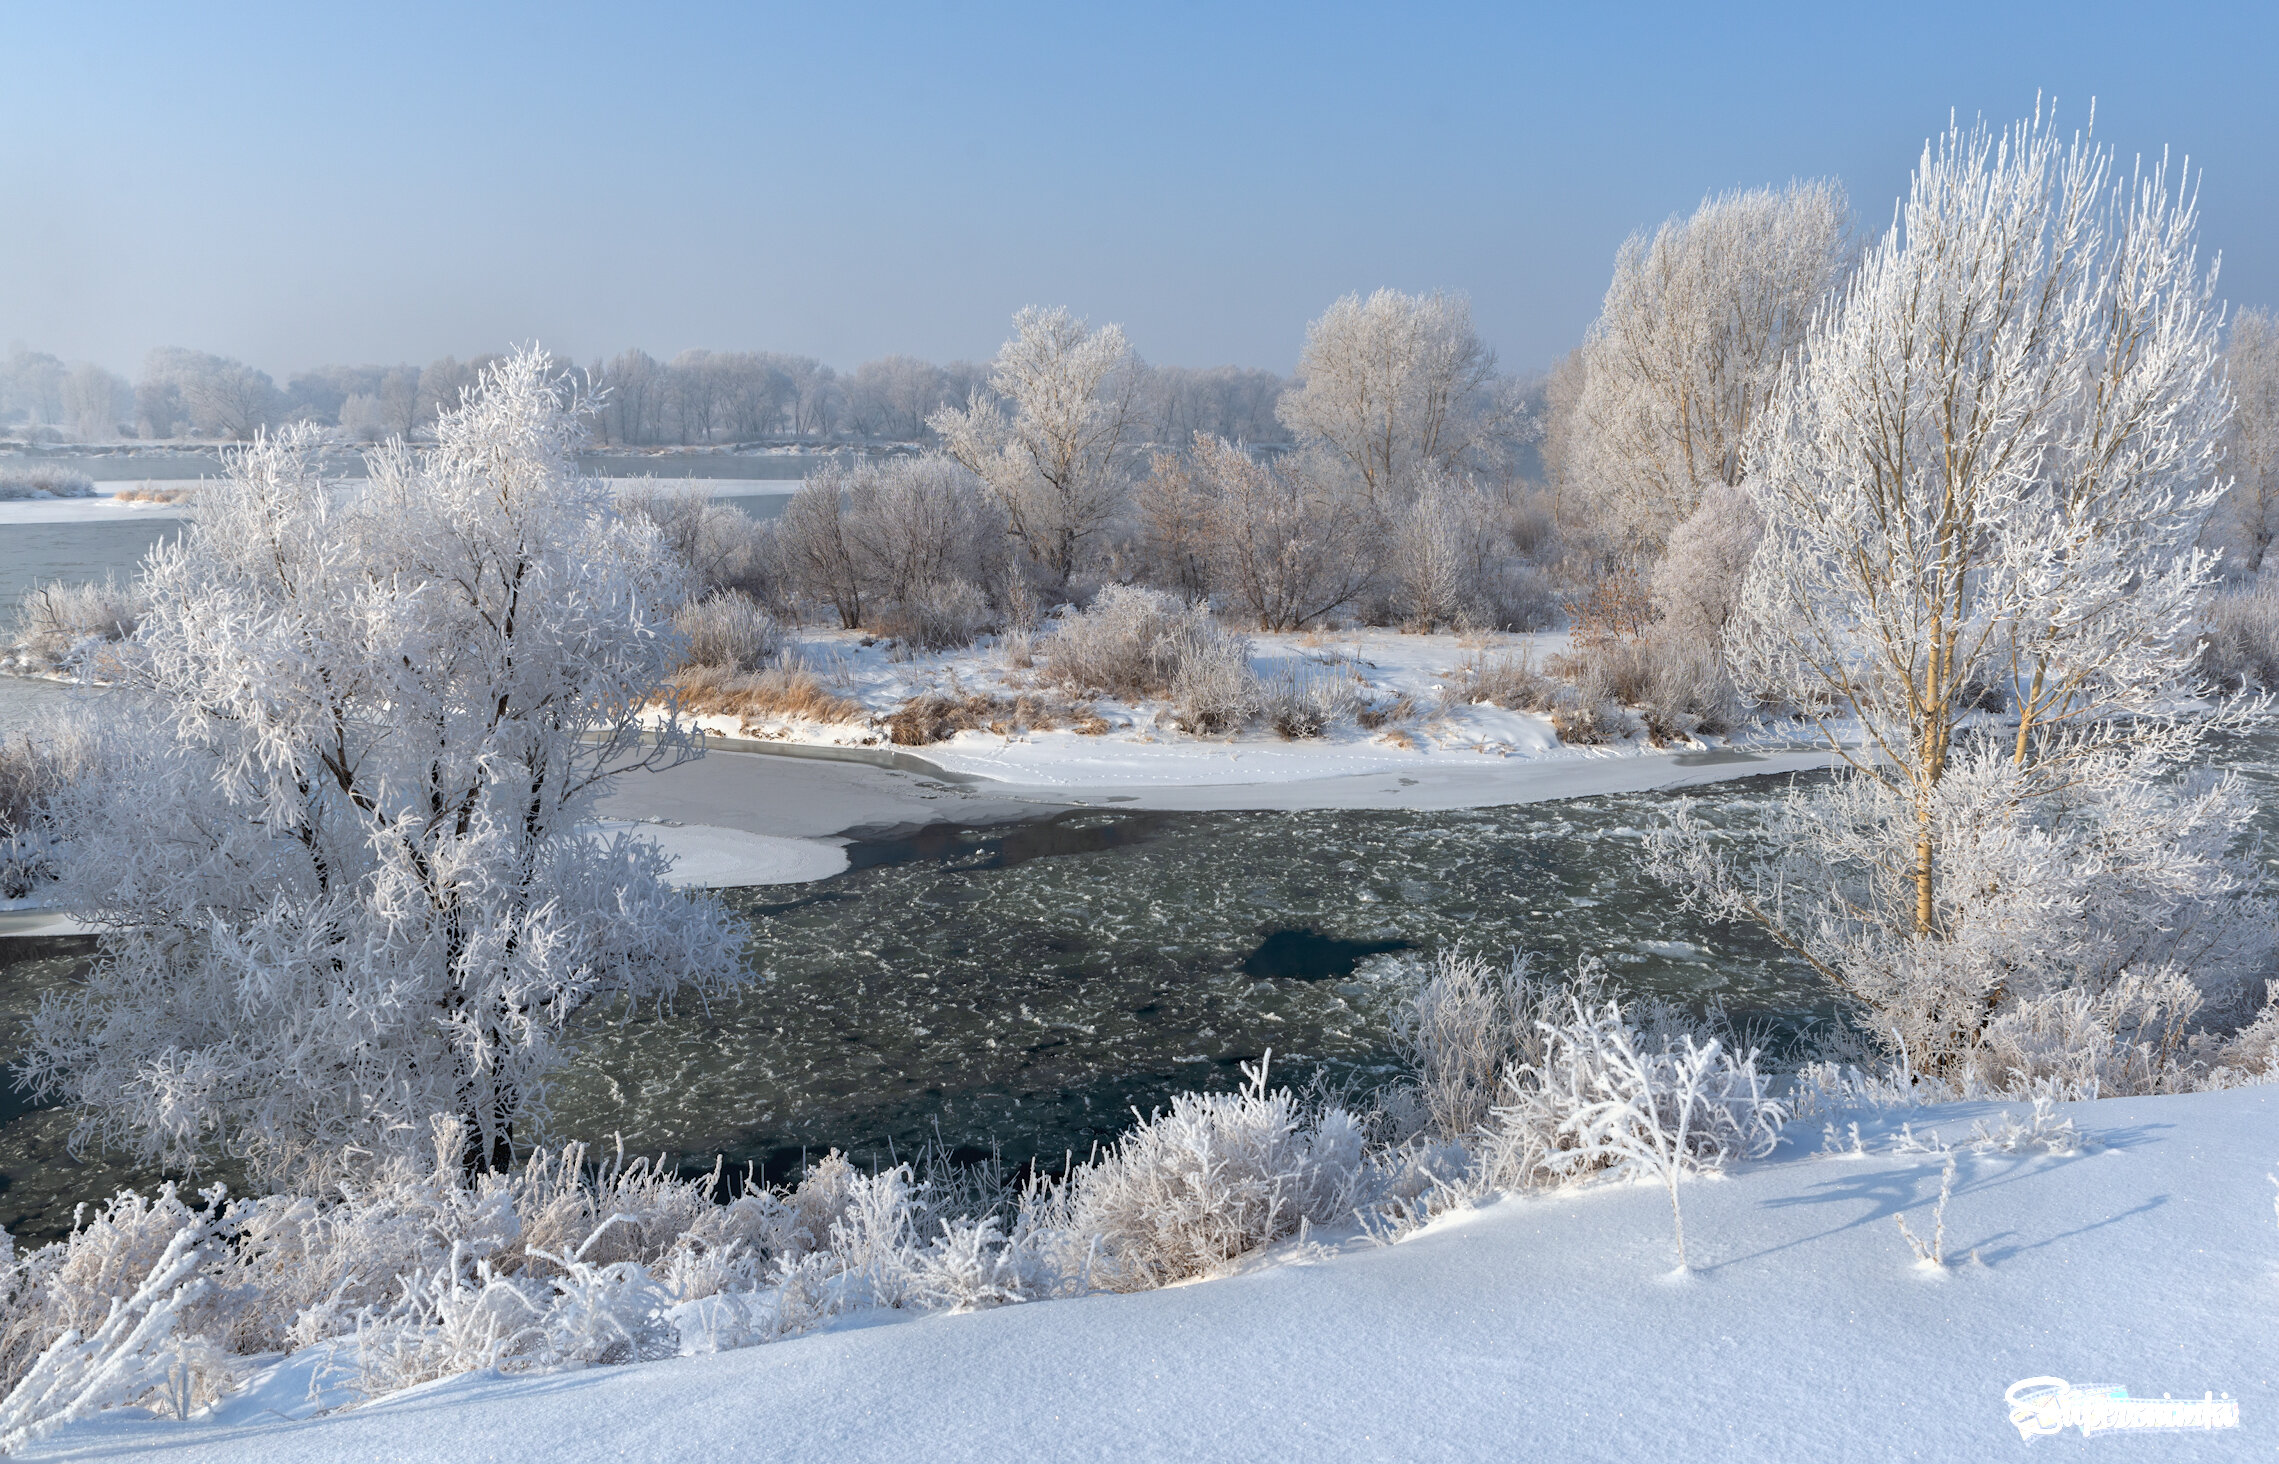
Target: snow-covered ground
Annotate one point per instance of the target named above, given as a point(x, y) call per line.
point(1547, 1327)
point(710, 857)
point(1443, 753)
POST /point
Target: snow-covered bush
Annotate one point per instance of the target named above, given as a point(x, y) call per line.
point(1679, 686)
point(1607, 1095)
point(1607, 1098)
point(936, 615)
point(1442, 557)
point(1697, 583)
point(1508, 681)
point(1462, 1024)
point(335, 859)
point(2242, 628)
point(1137, 643)
point(69, 627)
point(728, 629)
point(722, 547)
point(33, 773)
point(44, 481)
point(1218, 1176)
point(1301, 702)
point(1213, 688)
point(127, 1310)
point(2108, 934)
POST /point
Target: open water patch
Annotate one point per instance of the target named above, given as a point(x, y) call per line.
point(1304, 954)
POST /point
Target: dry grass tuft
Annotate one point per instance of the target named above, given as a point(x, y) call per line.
point(148, 494)
point(936, 716)
point(1399, 709)
point(785, 692)
point(1510, 682)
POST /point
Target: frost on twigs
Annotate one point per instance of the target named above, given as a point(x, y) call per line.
point(1984, 482)
point(1551, 1082)
point(1602, 1100)
point(1932, 1254)
point(128, 1318)
point(335, 863)
point(1215, 1178)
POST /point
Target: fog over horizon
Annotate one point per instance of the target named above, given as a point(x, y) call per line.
point(295, 189)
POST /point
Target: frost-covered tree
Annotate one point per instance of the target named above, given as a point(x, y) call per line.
point(1697, 584)
point(1393, 385)
point(893, 396)
point(340, 867)
point(220, 397)
point(1982, 483)
point(1282, 545)
point(2248, 520)
point(1048, 441)
point(97, 402)
point(1688, 346)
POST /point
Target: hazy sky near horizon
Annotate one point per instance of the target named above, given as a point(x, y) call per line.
point(360, 183)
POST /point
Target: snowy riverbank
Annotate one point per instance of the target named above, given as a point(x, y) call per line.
point(1443, 752)
point(1546, 1327)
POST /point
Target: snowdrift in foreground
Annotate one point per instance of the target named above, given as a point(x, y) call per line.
point(1547, 1327)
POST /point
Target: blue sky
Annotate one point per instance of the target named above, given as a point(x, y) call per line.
point(376, 183)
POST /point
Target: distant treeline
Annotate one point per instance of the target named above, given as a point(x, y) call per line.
point(697, 397)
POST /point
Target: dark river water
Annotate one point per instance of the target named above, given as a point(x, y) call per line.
point(1024, 987)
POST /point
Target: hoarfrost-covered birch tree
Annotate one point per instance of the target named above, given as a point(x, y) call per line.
point(1982, 483)
point(1048, 442)
point(1688, 348)
point(338, 868)
point(1393, 386)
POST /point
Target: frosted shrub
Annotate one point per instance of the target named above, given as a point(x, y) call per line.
point(32, 773)
point(722, 547)
point(44, 481)
point(937, 615)
point(2242, 646)
point(1137, 643)
point(1606, 1098)
point(1213, 689)
point(1678, 686)
point(2110, 934)
point(1441, 557)
point(973, 1264)
point(1610, 1096)
point(1697, 584)
point(1118, 645)
point(1464, 1023)
point(1301, 702)
point(730, 630)
point(120, 1313)
point(66, 627)
point(1217, 1177)
point(1508, 681)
